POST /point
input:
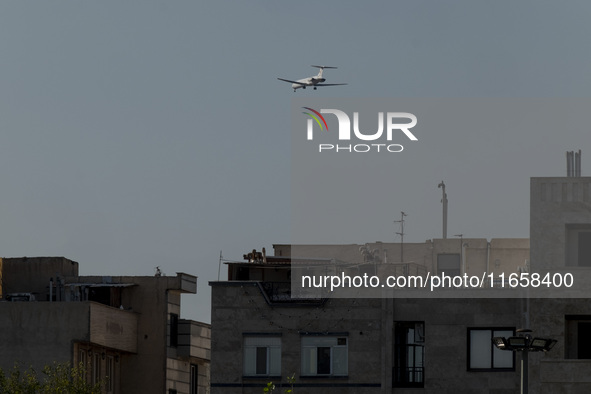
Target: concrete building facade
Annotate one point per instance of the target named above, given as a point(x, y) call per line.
point(560, 230)
point(364, 345)
point(122, 329)
point(410, 345)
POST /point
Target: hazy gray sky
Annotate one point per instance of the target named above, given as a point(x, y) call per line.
point(154, 133)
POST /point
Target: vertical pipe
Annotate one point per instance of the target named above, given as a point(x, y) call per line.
point(444, 214)
point(525, 371)
point(444, 202)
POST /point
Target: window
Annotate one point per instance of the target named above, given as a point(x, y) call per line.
point(174, 330)
point(482, 353)
point(96, 368)
point(578, 245)
point(82, 357)
point(194, 379)
point(448, 263)
point(325, 355)
point(578, 337)
point(110, 382)
point(409, 354)
point(262, 355)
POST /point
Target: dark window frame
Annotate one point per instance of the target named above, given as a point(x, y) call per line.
point(572, 343)
point(492, 368)
point(401, 371)
point(194, 379)
point(268, 373)
point(446, 261)
point(174, 330)
point(322, 361)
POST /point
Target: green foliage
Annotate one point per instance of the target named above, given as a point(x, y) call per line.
point(291, 380)
point(271, 387)
point(55, 379)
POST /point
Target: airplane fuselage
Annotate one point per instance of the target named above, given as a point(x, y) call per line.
point(311, 81)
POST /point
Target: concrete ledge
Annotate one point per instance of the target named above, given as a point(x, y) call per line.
point(565, 371)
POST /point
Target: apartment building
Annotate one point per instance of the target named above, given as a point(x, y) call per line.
point(126, 330)
point(437, 344)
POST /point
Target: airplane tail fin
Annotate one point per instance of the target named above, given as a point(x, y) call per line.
point(321, 70)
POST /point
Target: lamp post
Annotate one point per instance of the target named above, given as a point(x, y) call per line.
point(524, 344)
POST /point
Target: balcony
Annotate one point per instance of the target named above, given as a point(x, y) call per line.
point(112, 327)
point(562, 371)
point(194, 340)
point(280, 293)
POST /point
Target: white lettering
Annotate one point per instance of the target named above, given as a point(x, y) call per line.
point(371, 137)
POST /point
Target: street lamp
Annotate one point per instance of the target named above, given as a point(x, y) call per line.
point(524, 344)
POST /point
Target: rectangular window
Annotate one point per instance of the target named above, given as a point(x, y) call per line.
point(409, 354)
point(110, 384)
point(174, 330)
point(82, 358)
point(578, 337)
point(262, 356)
point(325, 355)
point(194, 379)
point(96, 368)
point(482, 353)
point(448, 264)
point(584, 249)
point(578, 245)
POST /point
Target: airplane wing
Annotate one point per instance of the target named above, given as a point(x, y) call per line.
point(330, 84)
point(288, 80)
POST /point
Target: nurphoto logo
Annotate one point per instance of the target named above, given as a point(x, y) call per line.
point(397, 123)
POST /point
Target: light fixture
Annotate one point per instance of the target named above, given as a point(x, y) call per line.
point(500, 343)
point(517, 343)
point(541, 344)
point(524, 344)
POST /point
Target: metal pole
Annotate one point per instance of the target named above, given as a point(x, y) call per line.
point(444, 201)
point(401, 233)
point(525, 365)
point(525, 372)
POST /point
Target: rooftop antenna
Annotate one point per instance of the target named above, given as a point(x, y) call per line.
point(401, 233)
point(220, 266)
point(444, 201)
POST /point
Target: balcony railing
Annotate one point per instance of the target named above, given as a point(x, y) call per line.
point(408, 376)
point(280, 292)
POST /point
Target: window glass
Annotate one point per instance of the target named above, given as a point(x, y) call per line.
point(483, 354)
point(262, 356)
point(324, 355)
point(480, 348)
point(409, 354)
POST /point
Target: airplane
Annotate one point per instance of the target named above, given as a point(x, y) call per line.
point(311, 81)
